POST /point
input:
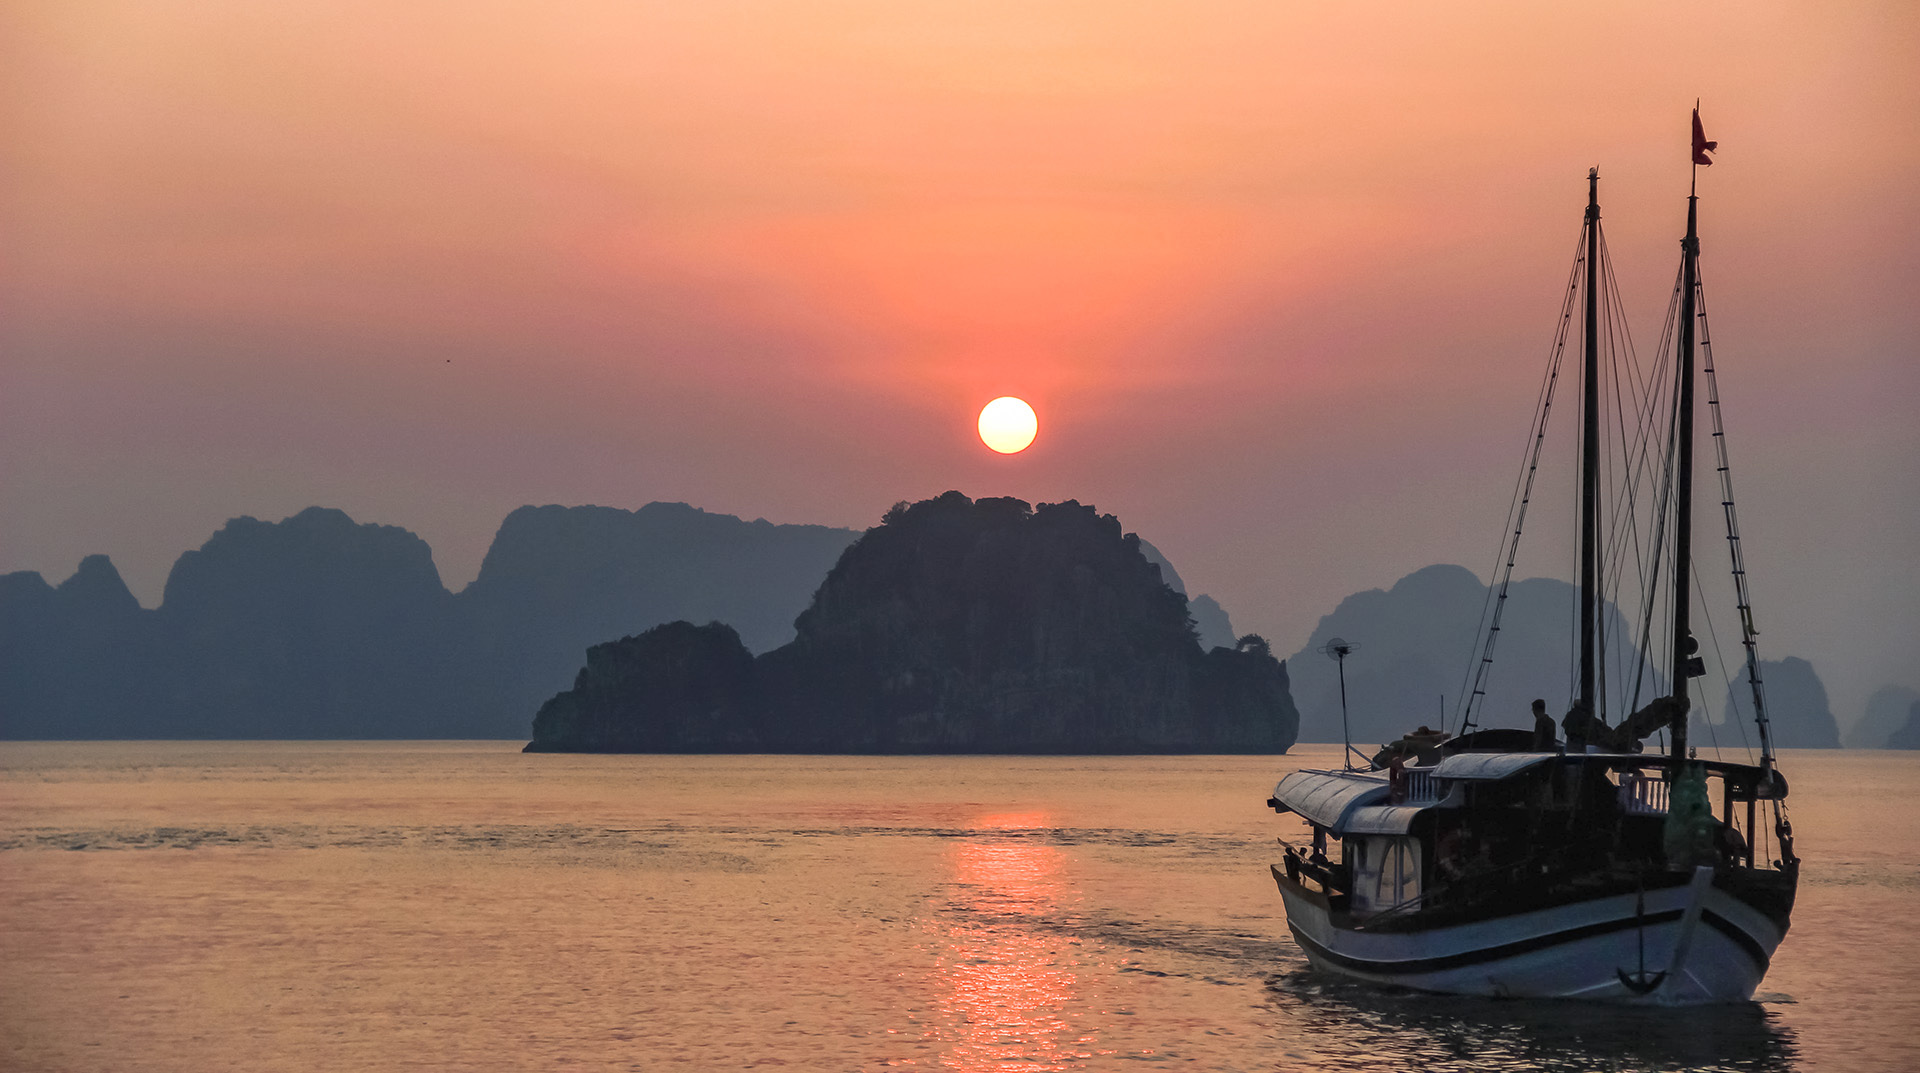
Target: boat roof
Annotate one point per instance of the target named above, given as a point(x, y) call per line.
point(1356, 801)
point(1326, 797)
point(1382, 819)
point(1488, 766)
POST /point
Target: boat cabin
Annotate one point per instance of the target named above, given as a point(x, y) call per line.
point(1484, 830)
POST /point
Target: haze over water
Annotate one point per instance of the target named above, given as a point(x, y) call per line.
point(1280, 278)
point(296, 906)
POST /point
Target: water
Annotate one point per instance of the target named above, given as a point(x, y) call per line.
point(373, 906)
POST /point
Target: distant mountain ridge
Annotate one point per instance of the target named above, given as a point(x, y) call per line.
point(1416, 646)
point(72, 651)
point(318, 626)
point(312, 627)
point(1797, 710)
point(559, 579)
point(1888, 711)
point(1908, 736)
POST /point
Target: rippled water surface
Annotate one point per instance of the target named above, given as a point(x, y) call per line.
point(371, 906)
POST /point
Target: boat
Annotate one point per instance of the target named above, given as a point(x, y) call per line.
point(1571, 861)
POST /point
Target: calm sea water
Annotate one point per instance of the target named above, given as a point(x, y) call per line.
point(373, 906)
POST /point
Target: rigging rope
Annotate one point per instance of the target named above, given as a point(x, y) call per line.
point(1643, 453)
point(1719, 657)
point(1657, 406)
point(1783, 827)
point(1493, 606)
point(1743, 601)
point(1637, 397)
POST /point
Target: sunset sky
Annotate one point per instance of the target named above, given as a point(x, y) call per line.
point(1279, 278)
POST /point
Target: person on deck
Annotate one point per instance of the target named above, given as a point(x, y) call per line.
point(1579, 722)
point(1543, 729)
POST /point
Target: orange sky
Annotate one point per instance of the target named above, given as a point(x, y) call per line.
point(1278, 277)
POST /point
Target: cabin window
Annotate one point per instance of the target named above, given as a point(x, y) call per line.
point(1386, 874)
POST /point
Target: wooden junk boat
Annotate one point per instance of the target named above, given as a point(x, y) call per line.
point(1514, 863)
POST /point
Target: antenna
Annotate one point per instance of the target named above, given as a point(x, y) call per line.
point(1337, 651)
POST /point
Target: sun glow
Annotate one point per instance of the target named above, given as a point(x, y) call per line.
point(1008, 425)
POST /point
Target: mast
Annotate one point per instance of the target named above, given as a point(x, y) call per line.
point(1590, 457)
point(1683, 646)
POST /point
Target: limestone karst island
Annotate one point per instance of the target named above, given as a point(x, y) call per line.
point(956, 625)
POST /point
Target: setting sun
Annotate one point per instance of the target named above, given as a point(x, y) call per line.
point(1008, 425)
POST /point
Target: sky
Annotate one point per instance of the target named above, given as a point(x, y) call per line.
point(1279, 278)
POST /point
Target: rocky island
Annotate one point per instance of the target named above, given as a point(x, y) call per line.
point(954, 626)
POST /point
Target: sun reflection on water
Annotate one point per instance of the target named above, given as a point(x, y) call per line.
point(1008, 988)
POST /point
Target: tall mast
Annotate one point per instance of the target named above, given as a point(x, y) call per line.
point(1590, 457)
point(1683, 479)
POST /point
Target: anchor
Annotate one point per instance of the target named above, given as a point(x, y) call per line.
point(1641, 982)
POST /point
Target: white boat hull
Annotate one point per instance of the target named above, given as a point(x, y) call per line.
point(1713, 947)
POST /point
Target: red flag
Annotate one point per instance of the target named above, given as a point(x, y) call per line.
point(1700, 143)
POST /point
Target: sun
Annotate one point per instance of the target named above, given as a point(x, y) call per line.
point(1008, 425)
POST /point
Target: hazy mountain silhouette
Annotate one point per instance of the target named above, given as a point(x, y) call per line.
point(313, 627)
point(310, 627)
point(954, 626)
point(1416, 646)
point(318, 626)
point(558, 579)
point(1210, 621)
point(96, 593)
point(1908, 736)
point(1216, 630)
point(1796, 708)
point(72, 655)
point(1885, 714)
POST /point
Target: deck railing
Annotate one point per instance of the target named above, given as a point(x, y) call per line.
point(1418, 787)
point(1642, 796)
